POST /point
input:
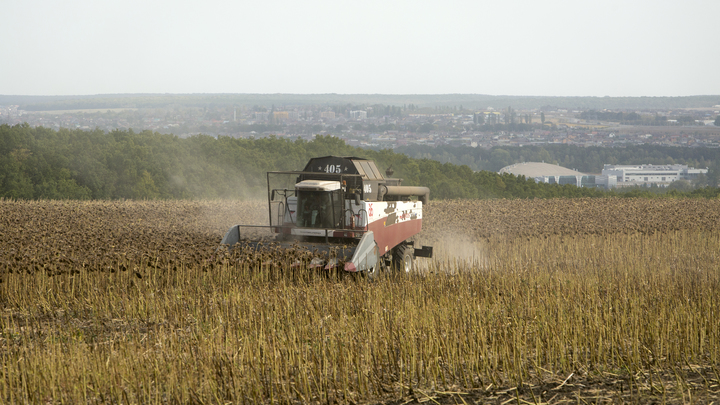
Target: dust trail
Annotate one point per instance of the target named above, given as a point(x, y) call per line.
point(218, 216)
point(452, 251)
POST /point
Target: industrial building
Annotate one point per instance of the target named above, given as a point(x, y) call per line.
point(661, 175)
point(554, 174)
point(612, 175)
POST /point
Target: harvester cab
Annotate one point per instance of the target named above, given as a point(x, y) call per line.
point(319, 204)
point(344, 210)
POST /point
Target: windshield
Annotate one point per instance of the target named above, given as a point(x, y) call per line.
point(319, 209)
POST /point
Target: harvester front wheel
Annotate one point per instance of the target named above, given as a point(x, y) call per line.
point(373, 272)
point(404, 259)
point(379, 268)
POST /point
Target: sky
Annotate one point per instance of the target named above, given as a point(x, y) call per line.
point(502, 47)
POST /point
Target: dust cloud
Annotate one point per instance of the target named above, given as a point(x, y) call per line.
point(451, 252)
point(218, 216)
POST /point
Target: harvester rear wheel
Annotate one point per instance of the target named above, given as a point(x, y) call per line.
point(403, 258)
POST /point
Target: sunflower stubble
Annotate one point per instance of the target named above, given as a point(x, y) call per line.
point(132, 301)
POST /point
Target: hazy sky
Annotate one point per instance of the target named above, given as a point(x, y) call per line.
point(501, 47)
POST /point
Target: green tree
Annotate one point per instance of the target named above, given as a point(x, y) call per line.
point(500, 158)
point(145, 187)
point(43, 163)
point(14, 181)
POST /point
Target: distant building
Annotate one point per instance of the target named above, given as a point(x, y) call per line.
point(328, 115)
point(358, 115)
point(281, 115)
point(662, 175)
point(554, 174)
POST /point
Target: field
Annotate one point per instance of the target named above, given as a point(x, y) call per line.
point(527, 301)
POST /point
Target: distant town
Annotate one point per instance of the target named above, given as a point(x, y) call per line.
point(389, 126)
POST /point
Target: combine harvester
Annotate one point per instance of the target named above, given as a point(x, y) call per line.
point(344, 211)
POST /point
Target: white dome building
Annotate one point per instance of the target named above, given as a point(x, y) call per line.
point(535, 169)
point(554, 174)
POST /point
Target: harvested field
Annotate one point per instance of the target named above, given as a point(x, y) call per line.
point(569, 217)
point(538, 301)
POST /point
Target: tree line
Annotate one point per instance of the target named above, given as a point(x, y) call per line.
point(42, 163)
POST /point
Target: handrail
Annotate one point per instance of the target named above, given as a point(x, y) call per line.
point(352, 216)
point(367, 219)
point(281, 208)
point(318, 175)
point(360, 212)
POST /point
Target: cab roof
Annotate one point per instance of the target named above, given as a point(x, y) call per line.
point(345, 165)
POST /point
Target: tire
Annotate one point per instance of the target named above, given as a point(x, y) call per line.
point(404, 259)
point(374, 272)
point(379, 268)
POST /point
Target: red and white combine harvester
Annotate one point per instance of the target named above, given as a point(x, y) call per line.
point(346, 209)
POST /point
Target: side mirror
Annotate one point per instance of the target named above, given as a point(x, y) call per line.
point(272, 196)
point(357, 199)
